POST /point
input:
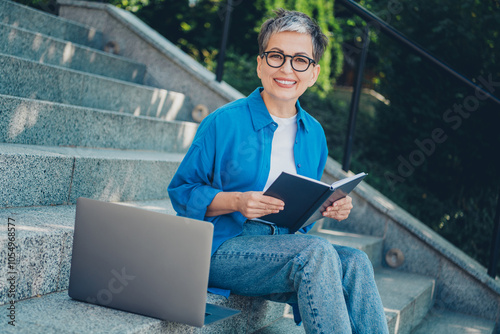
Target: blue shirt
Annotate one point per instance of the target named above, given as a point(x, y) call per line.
point(232, 152)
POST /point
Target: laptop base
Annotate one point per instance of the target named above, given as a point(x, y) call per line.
point(216, 313)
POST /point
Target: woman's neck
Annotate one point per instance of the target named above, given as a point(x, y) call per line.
point(282, 109)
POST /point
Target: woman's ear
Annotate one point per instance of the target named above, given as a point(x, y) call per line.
point(259, 64)
point(315, 74)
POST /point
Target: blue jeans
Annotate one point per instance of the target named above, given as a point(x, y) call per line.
point(334, 287)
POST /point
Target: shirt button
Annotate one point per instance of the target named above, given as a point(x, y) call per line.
point(298, 165)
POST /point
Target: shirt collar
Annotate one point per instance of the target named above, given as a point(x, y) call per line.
point(261, 117)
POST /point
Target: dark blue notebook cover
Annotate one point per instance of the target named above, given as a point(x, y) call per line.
point(305, 199)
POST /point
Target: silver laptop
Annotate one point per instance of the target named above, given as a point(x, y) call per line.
point(143, 262)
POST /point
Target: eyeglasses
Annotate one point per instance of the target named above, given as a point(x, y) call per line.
point(276, 59)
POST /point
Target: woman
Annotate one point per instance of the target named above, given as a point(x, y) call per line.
point(238, 151)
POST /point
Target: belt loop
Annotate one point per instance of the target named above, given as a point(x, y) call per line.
point(273, 229)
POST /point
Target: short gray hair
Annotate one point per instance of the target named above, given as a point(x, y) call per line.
point(287, 20)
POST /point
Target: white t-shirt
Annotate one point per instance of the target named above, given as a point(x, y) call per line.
point(282, 158)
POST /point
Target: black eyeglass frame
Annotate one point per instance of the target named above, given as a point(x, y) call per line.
point(311, 61)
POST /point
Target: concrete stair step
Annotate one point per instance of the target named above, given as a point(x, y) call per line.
point(372, 246)
point(284, 325)
point(445, 322)
point(58, 313)
point(406, 298)
point(29, 79)
point(44, 238)
point(35, 122)
point(44, 241)
point(17, 15)
point(43, 175)
point(41, 48)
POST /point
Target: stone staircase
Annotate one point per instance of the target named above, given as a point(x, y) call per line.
point(77, 121)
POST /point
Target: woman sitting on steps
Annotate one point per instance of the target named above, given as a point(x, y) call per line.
point(238, 151)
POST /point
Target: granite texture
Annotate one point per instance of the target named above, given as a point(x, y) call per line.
point(59, 175)
point(28, 79)
point(406, 296)
point(35, 122)
point(462, 284)
point(445, 322)
point(58, 313)
point(460, 292)
point(168, 67)
point(262, 313)
point(31, 177)
point(418, 258)
point(372, 246)
point(44, 241)
point(284, 325)
point(14, 14)
point(120, 179)
point(49, 50)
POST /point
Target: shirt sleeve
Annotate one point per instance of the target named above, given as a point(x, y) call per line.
point(191, 190)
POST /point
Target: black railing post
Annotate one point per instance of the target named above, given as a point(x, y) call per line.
point(495, 243)
point(225, 34)
point(356, 93)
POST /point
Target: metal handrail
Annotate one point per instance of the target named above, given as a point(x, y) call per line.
point(225, 34)
point(399, 37)
point(353, 109)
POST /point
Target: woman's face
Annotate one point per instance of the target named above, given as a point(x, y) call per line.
point(284, 84)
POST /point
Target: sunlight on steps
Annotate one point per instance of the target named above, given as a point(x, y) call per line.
point(81, 138)
point(68, 53)
point(24, 117)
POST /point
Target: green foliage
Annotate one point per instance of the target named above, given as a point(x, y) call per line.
point(332, 111)
point(196, 26)
point(454, 188)
point(131, 5)
point(240, 72)
point(49, 6)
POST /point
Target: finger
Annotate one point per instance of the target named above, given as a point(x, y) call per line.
point(257, 213)
point(343, 208)
point(272, 201)
point(337, 214)
point(333, 208)
point(346, 206)
point(263, 207)
point(341, 202)
point(345, 200)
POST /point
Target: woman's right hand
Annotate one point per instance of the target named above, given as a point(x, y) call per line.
point(251, 204)
point(254, 204)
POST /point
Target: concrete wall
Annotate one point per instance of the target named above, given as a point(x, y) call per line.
point(167, 66)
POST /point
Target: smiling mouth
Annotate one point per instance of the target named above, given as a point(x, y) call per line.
point(285, 82)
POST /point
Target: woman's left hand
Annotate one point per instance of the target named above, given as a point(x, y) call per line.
point(340, 209)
